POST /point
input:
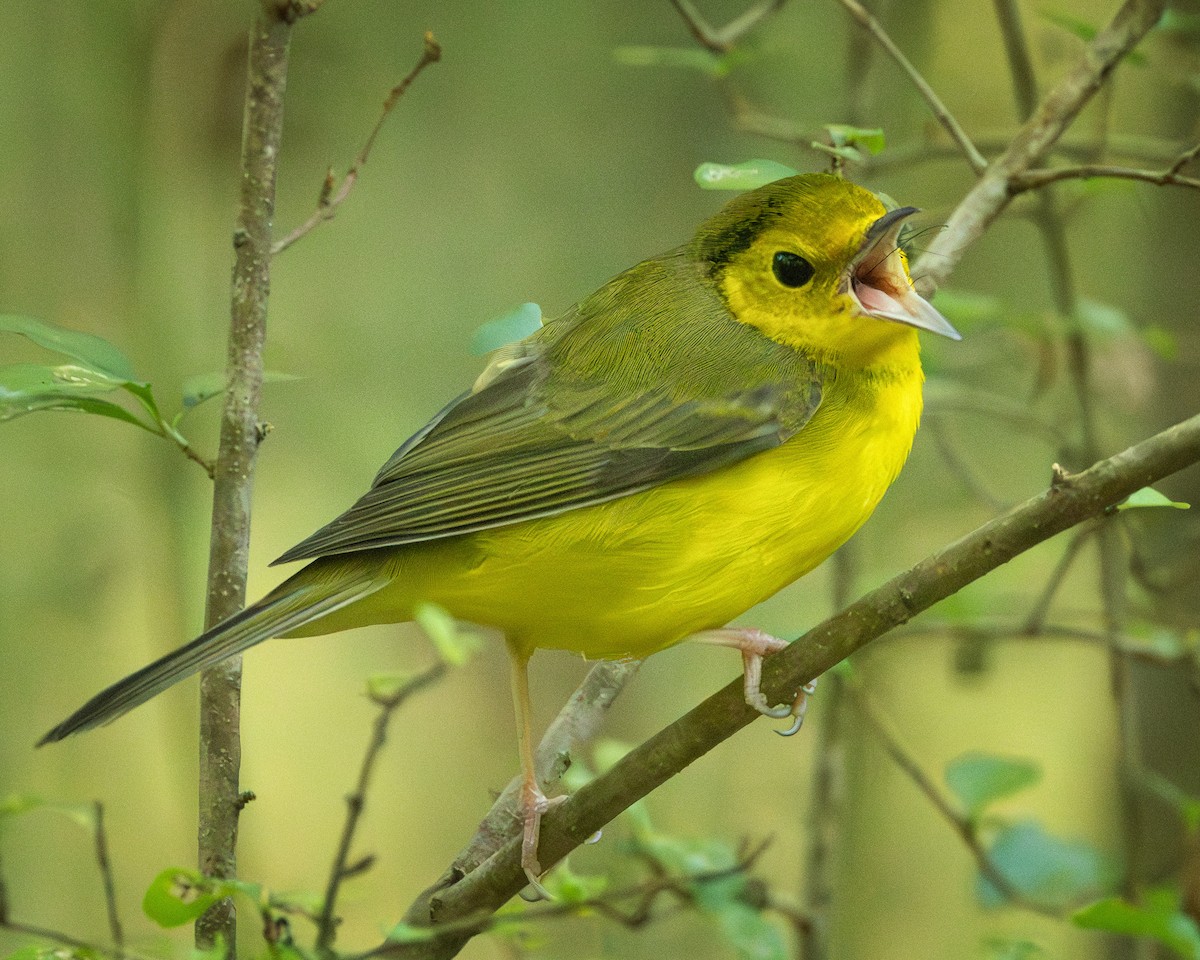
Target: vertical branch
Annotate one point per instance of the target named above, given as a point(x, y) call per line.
point(220, 686)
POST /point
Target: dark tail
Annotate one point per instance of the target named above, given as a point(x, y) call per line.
point(294, 603)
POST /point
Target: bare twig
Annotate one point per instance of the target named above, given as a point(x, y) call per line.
point(327, 921)
point(1036, 620)
point(868, 22)
point(1170, 176)
point(1073, 500)
point(1057, 109)
point(328, 201)
point(967, 829)
point(723, 39)
point(220, 686)
point(106, 877)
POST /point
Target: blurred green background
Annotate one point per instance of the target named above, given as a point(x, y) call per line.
point(532, 165)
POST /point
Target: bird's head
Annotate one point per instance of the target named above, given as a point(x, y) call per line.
point(814, 262)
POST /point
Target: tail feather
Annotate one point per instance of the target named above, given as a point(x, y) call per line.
point(279, 612)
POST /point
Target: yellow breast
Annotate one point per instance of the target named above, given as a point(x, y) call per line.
point(630, 577)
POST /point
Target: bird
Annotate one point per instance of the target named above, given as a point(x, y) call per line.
point(702, 430)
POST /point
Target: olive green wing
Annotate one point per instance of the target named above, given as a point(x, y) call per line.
point(605, 402)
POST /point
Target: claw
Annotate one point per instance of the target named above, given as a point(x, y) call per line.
point(798, 708)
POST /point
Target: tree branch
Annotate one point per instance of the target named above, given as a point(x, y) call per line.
point(220, 686)
point(723, 39)
point(992, 194)
point(1068, 501)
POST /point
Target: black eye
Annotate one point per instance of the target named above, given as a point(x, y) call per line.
point(791, 269)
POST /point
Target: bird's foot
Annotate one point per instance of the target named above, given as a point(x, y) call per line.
point(534, 803)
point(754, 645)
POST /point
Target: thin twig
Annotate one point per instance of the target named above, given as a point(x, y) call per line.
point(106, 877)
point(327, 922)
point(966, 828)
point(1036, 620)
point(328, 201)
point(1033, 179)
point(961, 467)
point(723, 39)
point(868, 22)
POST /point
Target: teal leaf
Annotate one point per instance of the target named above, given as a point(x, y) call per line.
point(1044, 868)
point(1159, 918)
point(1148, 497)
point(749, 932)
point(179, 895)
point(980, 779)
point(453, 644)
point(90, 350)
point(741, 176)
point(516, 324)
point(1103, 318)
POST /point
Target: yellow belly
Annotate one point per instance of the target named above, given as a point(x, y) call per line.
point(630, 577)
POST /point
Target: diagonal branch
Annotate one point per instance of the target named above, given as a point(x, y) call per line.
point(723, 39)
point(1056, 111)
point(1069, 500)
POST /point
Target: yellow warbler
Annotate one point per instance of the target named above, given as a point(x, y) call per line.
point(699, 432)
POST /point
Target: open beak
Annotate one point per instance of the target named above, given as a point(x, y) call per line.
point(879, 284)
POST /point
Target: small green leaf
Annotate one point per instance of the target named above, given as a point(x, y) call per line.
point(1046, 869)
point(1161, 340)
point(516, 324)
point(407, 933)
point(847, 153)
point(179, 895)
point(16, 804)
point(1149, 497)
point(980, 779)
point(453, 644)
point(93, 351)
point(567, 886)
point(741, 176)
point(44, 953)
point(1159, 919)
point(869, 139)
point(384, 686)
point(204, 386)
point(689, 58)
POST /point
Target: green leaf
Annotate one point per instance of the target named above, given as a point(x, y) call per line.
point(92, 351)
point(29, 387)
point(848, 153)
point(1002, 948)
point(453, 644)
point(407, 933)
point(1047, 869)
point(1161, 340)
point(204, 386)
point(16, 804)
point(980, 779)
point(1159, 919)
point(516, 324)
point(384, 686)
point(1186, 805)
point(33, 952)
point(1086, 32)
point(567, 886)
point(179, 895)
point(740, 176)
point(869, 139)
point(1148, 497)
point(689, 58)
